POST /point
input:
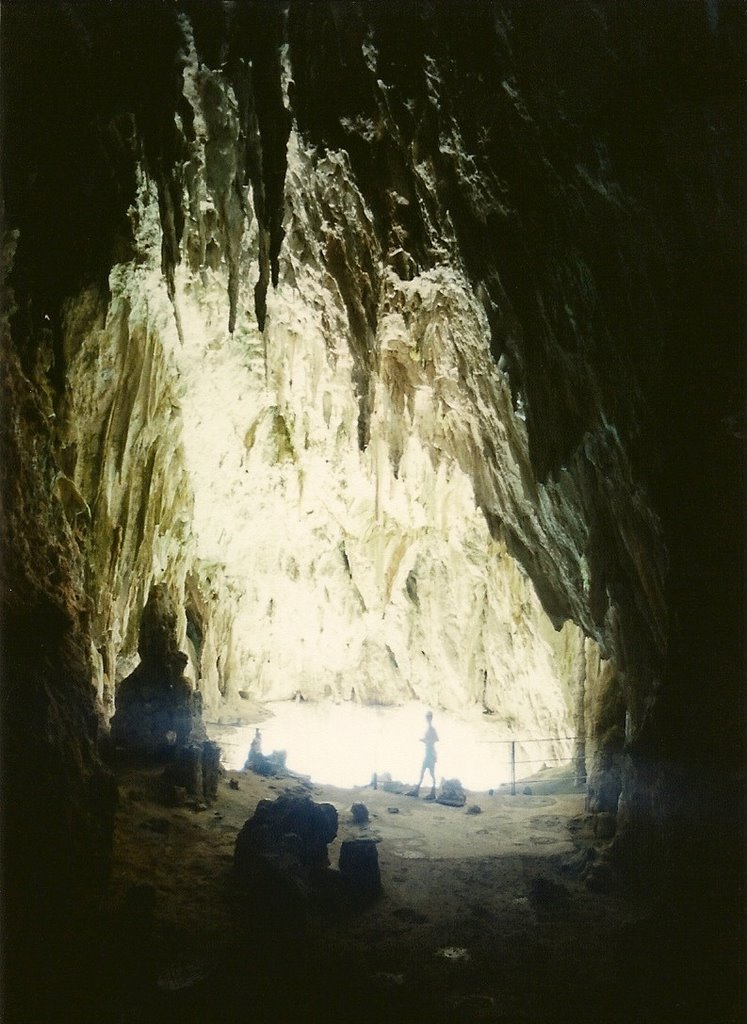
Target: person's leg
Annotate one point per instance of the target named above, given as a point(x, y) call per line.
point(415, 791)
point(432, 794)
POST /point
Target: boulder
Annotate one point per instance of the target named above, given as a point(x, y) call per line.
point(267, 764)
point(451, 793)
point(281, 859)
point(265, 834)
point(359, 813)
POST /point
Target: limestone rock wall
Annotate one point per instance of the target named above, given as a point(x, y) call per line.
point(121, 450)
point(395, 586)
point(58, 799)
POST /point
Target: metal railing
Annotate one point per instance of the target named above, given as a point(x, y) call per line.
point(577, 758)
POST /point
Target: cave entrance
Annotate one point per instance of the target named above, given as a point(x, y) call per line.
point(299, 558)
point(347, 744)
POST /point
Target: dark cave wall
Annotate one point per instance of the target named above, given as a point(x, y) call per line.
point(58, 799)
point(599, 215)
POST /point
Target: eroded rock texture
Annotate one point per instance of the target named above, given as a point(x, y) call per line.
point(401, 344)
point(58, 800)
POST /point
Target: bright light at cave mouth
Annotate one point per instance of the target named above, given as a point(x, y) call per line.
point(345, 744)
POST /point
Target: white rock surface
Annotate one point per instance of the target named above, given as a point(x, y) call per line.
point(228, 464)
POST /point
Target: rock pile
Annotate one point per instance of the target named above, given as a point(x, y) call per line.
point(451, 793)
point(282, 861)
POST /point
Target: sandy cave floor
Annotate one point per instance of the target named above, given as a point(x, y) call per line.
point(483, 917)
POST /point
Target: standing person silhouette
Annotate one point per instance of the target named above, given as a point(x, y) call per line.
point(430, 739)
point(255, 751)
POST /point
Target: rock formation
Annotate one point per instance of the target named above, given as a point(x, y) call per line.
point(281, 858)
point(157, 712)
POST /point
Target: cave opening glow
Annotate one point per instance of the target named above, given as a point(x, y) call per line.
point(324, 521)
point(344, 744)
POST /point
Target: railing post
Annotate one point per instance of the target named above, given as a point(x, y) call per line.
point(513, 767)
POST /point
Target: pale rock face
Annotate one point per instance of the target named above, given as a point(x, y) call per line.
point(230, 466)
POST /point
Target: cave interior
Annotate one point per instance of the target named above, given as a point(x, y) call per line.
point(361, 359)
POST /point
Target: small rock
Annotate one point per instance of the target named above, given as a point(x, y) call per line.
point(393, 810)
point(234, 783)
point(527, 790)
point(198, 806)
point(474, 809)
point(453, 953)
